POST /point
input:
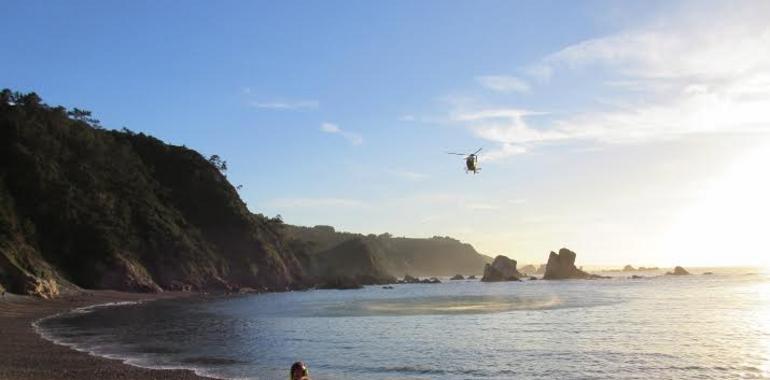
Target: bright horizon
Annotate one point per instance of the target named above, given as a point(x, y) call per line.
point(631, 133)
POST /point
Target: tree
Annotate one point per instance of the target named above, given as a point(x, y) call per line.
point(6, 97)
point(218, 163)
point(31, 99)
point(84, 116)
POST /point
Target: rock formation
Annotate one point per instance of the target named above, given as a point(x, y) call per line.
point(629, 268)
point(502, 269)
point(561, 266)
point(678, 271)
point(457, 277)
point(416, 280)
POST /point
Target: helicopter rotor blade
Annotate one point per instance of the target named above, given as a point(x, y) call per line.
point(459, 154)
point(477, 152)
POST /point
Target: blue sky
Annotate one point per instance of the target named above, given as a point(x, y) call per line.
point(607, 127)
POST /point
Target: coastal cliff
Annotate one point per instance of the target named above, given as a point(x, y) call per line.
point(86, 207)
point(81, 206)
point(436, 256)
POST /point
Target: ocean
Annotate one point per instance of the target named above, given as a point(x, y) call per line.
point(659, 327)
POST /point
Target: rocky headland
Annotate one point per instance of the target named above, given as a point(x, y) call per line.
point(84, 207)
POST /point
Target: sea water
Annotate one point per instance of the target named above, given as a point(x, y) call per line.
point(659, 327)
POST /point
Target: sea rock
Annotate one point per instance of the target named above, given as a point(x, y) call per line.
point(471, 277)
point(416, 280)
point(678, 271)
point(636, 277)
point(629, 268)
point(533, 278)
point(457, 277)
point(540, 269)
point(502, 269)
point(708, 273)
point(561, 266)
point(410, 280)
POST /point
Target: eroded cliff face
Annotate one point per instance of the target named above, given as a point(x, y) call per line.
point(85, 207)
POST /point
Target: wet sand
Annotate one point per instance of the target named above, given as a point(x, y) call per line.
point(26, 355)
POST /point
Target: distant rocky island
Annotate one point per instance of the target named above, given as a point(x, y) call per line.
point(561, 266)
point(678, 271)
point(629, 268)
point(501, 269)
point(86, 207)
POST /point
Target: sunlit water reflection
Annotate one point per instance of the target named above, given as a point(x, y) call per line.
point(698, 327)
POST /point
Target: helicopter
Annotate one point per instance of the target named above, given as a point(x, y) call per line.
point(471, 161)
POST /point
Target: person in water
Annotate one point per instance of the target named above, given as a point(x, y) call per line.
point(299, 372)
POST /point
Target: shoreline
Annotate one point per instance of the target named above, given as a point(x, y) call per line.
point(27, 355)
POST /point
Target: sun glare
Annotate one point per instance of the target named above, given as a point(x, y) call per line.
point(728, 225)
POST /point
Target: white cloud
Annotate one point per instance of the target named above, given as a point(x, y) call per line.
point(283, 105)
point(505, 126)
point(695, 78)
point(676, 78)
point(503, 83)
point(505, 150)
point(353, 138)
point(330, 128)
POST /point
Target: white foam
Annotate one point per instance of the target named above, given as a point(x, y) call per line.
point(95, 350)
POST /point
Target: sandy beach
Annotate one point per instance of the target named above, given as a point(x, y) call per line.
point(26, 355)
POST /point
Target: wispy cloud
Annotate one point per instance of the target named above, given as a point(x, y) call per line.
point(353, 138)
point(503, 83)
point(284, 105)
point(507, 127)
point(330, 128)
point(676, 78)
point(278, 104)
point(695, 78)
